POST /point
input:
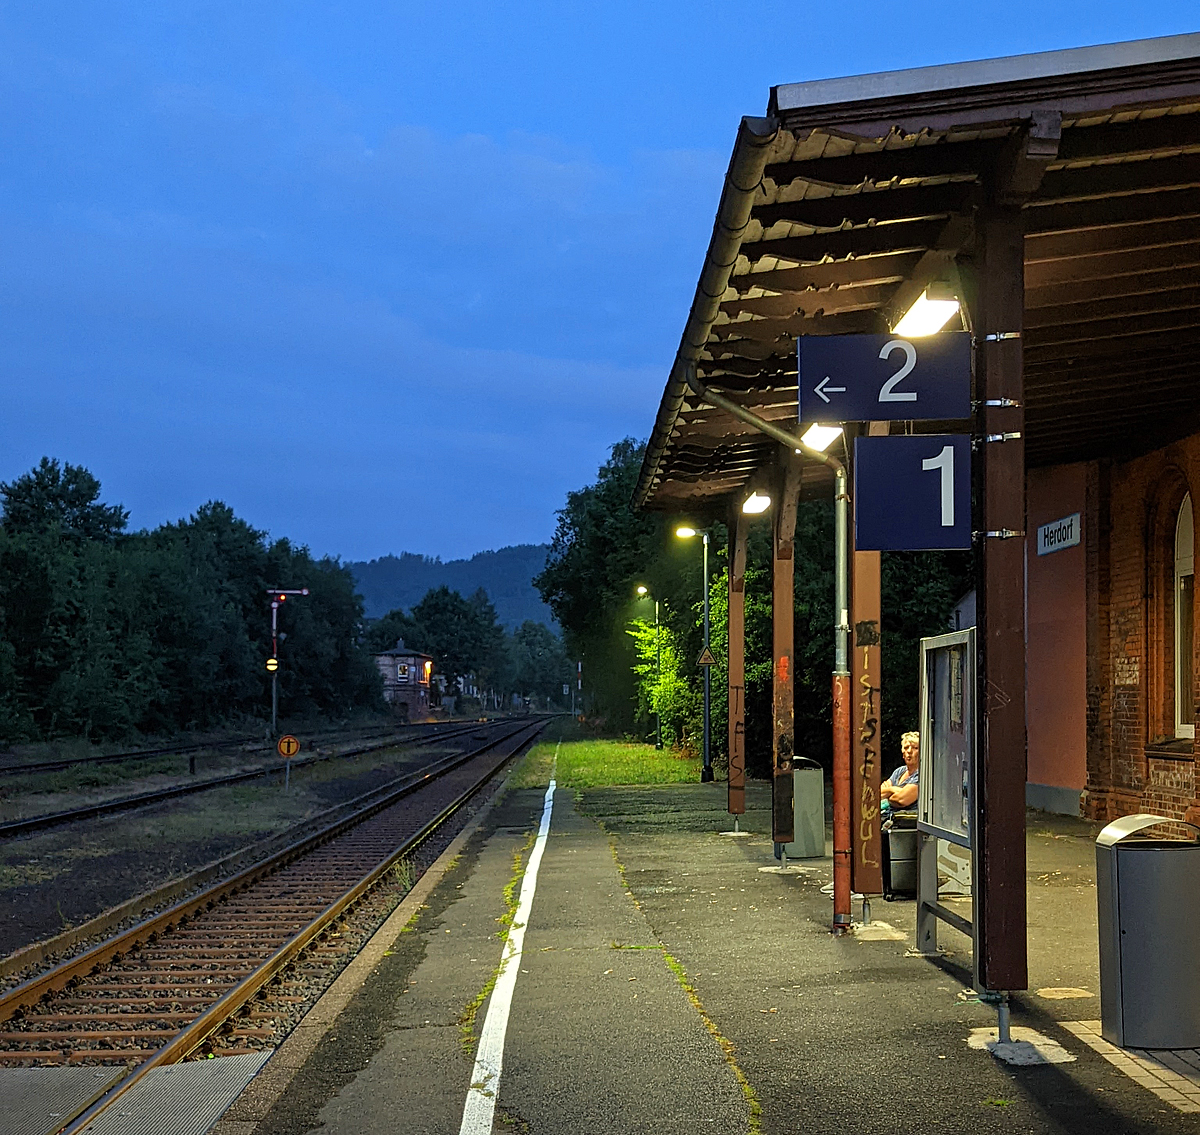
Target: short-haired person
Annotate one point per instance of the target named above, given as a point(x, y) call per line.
point(899, 791)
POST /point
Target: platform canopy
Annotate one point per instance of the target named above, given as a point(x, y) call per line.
point(853, 195)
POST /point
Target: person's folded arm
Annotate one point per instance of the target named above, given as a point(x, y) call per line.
point(903, 796)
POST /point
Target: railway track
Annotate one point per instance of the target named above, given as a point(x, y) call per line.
point(144, 799)
point(252, 742)
point(157, 992)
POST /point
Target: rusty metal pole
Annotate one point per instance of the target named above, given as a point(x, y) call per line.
point(866, 873)
point(783, 631)
point(841, 704)
point(737, 665)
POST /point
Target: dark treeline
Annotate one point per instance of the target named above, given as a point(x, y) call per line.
point(107, 633)
point(465, 637)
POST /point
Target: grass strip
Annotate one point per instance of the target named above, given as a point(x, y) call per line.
point(602, 764)
point(467, 1038)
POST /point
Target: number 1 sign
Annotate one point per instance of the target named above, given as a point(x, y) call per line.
point(912, 493)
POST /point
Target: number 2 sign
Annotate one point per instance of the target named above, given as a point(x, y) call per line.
point(877, 378)
point(912, 493)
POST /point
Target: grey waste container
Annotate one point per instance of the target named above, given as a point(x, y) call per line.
point(808, 803)
point(1148, 907)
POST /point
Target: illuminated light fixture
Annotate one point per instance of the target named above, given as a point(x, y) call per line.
point(931, 311)
point(821, 438)
point(684, 532)
point(642, 590)
point(756, 503)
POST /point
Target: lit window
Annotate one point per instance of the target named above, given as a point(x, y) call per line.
point(1185, 575)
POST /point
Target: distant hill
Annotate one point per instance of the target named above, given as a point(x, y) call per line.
point(506, 575)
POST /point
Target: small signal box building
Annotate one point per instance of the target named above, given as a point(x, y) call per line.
point(406, 676)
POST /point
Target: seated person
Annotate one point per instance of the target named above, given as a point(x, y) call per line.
point(899, 791)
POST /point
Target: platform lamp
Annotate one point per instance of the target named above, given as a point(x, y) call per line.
point(685, 532)
point(278, 598)
point(644, 593)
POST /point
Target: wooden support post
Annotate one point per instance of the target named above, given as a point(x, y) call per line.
point(783, 622)
point(866, 871)
point(737, 661)
point(999, 853)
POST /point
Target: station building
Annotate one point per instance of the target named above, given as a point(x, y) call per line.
point(406, 676)
point(1055, 198)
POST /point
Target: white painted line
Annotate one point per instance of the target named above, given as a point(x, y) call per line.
point(480, 1111)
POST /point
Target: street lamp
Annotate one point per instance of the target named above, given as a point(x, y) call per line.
point(644, 592)
point(706, 773)
point(278, 597)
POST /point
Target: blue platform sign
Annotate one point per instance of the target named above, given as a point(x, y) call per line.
point(912, 493)
point(884, 378)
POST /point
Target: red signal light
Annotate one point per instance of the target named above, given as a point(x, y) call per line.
point(283, 599)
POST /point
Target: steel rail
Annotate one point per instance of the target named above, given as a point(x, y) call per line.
point(209, 1021)
point(142, 799)
point(52, 981)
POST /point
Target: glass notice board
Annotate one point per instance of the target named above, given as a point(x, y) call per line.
point(945, 804)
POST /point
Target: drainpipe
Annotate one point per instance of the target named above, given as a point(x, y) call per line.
point(841, 636)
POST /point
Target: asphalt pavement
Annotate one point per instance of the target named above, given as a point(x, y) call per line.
point(669, 984)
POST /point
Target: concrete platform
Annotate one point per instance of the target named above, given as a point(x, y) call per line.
point(667, 984)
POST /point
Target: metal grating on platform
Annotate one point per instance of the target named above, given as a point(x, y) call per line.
point(180, 1099)
point(37, 1101)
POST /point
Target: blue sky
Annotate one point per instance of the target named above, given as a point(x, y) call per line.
point(391, 276)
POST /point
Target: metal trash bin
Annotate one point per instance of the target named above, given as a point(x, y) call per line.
point(900, 856)
point(1148, 907)
point(808, 808)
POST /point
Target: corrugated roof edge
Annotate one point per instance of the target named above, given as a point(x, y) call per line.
point(742, 179)
point(985, 72)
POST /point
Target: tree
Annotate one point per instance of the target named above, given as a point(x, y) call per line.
point(601, 550)
point(539, 661)
point(61, 499)
point(385, 632)
point(103, 636)
point(453, 630)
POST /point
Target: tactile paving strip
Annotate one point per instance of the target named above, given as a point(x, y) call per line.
point(41, 1100)
point(1171, 1074)
point(180, 1099)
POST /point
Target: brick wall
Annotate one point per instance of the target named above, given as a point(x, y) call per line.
point(1129, 536)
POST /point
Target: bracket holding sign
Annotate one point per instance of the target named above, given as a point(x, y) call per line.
point(865, 378)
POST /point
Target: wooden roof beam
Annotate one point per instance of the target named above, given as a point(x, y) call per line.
point(830, 301)
point(899, 237)
point(1103, 212)
point(942, 159)
point(1080, 183)
point(891, 267)
point(1119, 139)
point(904, 203)
point(1082, 312)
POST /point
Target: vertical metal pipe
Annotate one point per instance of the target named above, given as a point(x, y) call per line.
point(706, 774)
point(657, 679)
point(841, 704)
point(736, 667)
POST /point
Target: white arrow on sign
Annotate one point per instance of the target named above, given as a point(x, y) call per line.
point(820, 389)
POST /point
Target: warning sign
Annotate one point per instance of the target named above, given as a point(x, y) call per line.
point(706, 658)
point(287, 745)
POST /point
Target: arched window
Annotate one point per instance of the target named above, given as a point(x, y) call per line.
point(1185, 575)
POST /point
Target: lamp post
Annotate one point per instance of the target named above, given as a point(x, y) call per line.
point(643, 592)
point(278, 596)
point(706, 773)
